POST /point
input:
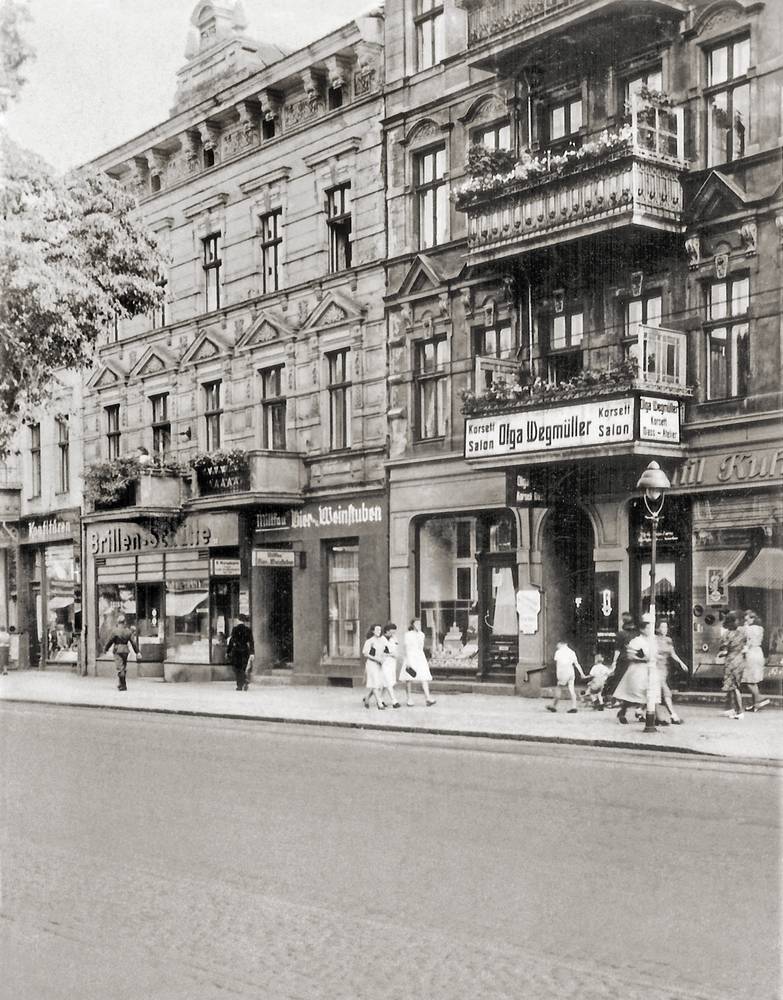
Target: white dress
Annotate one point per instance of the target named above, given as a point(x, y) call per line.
point(754, 656)
point(371, 668)
point(633, 683)
point(389, 665)
point(415, 658)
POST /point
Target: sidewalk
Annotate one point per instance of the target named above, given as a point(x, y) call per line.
point(704, 729)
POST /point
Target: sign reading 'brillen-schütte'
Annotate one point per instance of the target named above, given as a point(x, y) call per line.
point(578, 426)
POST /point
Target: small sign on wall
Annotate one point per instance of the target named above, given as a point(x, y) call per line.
point(281, 558)
point(226, 567)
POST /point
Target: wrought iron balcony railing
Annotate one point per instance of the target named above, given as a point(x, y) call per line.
point(496, 16)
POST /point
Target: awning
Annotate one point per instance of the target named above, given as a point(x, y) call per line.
point(765, 572)
point(180, 605)
point(60, 602)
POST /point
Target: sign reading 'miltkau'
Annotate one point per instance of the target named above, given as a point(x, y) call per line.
point(580, 425)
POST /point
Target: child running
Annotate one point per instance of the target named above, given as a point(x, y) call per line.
point(565, 662)
point(595, 685)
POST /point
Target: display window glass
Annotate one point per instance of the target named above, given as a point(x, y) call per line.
point(62, 636)
point(343, 586)
point(187, 620)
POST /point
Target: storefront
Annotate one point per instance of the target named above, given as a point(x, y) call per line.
point(319, 579)
point(182, 593)
point(49, 591)
point(737, 561)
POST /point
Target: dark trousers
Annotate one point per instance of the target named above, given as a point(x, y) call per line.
point(241, 675)
point(121, 664)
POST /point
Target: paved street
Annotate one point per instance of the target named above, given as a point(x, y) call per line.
point(169, 857)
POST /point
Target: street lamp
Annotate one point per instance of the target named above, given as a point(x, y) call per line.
point(652, 482)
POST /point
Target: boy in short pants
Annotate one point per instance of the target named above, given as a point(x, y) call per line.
point(565, 662)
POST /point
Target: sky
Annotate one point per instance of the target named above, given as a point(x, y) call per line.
point(105, 70)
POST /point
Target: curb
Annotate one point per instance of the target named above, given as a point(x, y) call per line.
point(421, 730)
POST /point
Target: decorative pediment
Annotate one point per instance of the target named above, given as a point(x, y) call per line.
point(723, 15)
point(424, 130)
point(334, 310)
point(487, 108)
point(718, 197)
point(266, 328)
point(422, 277)
point(107, 376)
point(204, 348)
point(153, 360)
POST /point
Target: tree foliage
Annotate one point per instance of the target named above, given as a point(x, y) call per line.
point(73, 258)
point(14, 49)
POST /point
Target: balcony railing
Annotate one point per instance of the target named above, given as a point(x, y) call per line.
point(661, 356)
point(629, 187)
point(497, 16)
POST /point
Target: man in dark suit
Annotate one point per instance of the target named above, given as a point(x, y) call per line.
point(239, 649)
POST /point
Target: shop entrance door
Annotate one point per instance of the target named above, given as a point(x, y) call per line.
point(569, 585)
point(223, 612)
point(498, 624)
point(281, 614)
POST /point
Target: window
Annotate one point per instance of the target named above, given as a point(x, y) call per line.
point(35, 458)
point(644, 311)
point(273, 394)
point(209, 158)
point(338, 211)
point(113, 431)
point(212, 264)
point(651, 79)
point(334, 98)
point(268, 128)
point(271, 238)
point(343, 568)
point(213, 415)
point(161, 428)
point(564, 359)
point(728, 105)
point(496, 136)
point(494, 341)
point(339, 400)
point(63, 436)
point(155, 183)
point(430, 374)
point(727, 305)
point(431, 197)
point(565, 119)
point(159, 311)
point(430, 33)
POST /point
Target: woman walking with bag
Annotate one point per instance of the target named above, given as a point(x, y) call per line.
point(372, 651)
point(389, 662)
point(415, 666)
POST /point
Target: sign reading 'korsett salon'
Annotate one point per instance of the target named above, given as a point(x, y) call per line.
point(580, 425)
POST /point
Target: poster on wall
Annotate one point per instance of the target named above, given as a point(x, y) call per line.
point(716, 585)
point(528, 608)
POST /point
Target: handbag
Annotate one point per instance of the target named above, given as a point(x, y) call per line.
point(411, 671)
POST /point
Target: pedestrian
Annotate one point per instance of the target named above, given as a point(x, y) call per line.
point(619, 663)
point(732, 652)
point(389, 664)
point(753, 674)
point(121, 638)
point(596, 681)
point(5, 648)
point(565, 662)
point(415, 666)
point(240, 648)
point(372, 651)
point(666, 656)
point(632, 689)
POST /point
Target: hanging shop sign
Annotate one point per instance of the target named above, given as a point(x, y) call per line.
point(580, 425)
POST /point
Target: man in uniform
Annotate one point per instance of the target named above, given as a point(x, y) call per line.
point(121, 638)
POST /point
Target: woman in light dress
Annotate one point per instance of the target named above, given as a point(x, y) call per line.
point(666, 655)
point(753, 673)
point(632, 689)
point(373, 652)
point(389, 663)
point(732, 652)
point(415, 666)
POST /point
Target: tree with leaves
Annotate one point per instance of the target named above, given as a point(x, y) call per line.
point(15, 50)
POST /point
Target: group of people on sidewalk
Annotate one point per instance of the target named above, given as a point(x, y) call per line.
point(381, 664)
point(625, 684)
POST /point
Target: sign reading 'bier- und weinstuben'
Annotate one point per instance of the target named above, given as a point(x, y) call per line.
point(580, 425)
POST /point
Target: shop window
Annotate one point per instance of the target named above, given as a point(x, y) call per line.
point(113, 431)
point(432, 206)
point(161, 426)
point(430, 33)
point(271, 240)
point(35, 460)
point(431, 361)
point(274, 408)
point(728, 101)
point(212, 265)
point(564, 359)
point(727, 304)
point(343, 584)
point(495, 136)
point(187, 611)
point(213, 415)
point(141, 603)
point(339, 400)
point(64, 454)
point(61, 607)
point(338, 221)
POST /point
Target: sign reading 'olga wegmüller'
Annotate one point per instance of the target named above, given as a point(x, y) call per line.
point(578, 426)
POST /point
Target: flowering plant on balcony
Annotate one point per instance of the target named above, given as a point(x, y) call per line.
point(113, 484)
point(529, 168)
point(222, 471)
point(516, 394)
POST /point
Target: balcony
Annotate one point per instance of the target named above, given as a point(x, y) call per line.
point(249, 477)
point(629, 188)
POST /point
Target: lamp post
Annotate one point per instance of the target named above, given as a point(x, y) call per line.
point(652, 482)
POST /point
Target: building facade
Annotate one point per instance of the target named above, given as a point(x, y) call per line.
point(255, 398)
point(585, 223)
